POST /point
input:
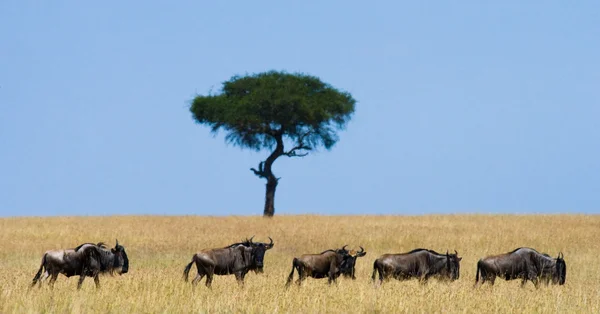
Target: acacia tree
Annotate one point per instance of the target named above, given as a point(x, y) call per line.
point(273, 110)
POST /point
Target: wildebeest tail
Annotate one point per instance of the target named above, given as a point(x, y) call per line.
point(377, 269)
point(478, 271)
point(291, 276)
point(374, 270)
point(186, 271)
point(39, 273)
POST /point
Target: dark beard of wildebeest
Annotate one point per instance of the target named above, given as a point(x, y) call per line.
point(237, 259)
point(525, 264)
point(87, 259)
point(347, 268)
point(418, 263)
point(326, 264)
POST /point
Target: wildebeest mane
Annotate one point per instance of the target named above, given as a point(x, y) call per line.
point(330, 250)
point(247, 242)
point(523, 248)
point(430, 251)
point(99, 244)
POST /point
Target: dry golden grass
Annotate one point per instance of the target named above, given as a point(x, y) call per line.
point(160, 247)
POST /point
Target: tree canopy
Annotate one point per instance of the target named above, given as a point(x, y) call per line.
point(259, 111)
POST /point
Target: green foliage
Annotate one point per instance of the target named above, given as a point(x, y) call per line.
point(259, 110)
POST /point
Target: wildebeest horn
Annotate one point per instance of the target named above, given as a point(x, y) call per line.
point(455, 252)
point(117, 243)
point(344, 247)
point(270, 244)
point(361, 249)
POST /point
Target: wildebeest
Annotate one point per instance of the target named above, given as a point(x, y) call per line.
point(418, 263)
point(555, 271)
point(237, 259)
point(87, 259)
point(522, 263)
point(260, 249)
point(347, 268)
point(326, 264)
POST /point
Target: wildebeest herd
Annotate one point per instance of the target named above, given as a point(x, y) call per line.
point(91, 260)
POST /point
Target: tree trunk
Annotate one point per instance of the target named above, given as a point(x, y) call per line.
point(264, 171)
point(270, 197)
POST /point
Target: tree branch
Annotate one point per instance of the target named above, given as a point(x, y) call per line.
point(264, 168)
point(260, 172)
point(301, 146)
point(294, 151)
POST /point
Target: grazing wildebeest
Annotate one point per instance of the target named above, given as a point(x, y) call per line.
point(418, 263)
point(347, 267)
point(237, 259)
point(524, 263)
point(326, 264)
point(555, 270)
point(87, 259)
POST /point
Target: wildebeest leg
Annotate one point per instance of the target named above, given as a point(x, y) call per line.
point(523, 281)
point(486, 277)
point(44, 276)
point(332, 271)
point(331, 277)
point(239, 277)
point(80, 282)
point(197, 279)
point(480, 283)
point(424, 278)
point(199, 275)
point(97, 280)
point(53, 279)
point(301, 275)
point(209, 276)
point(384, 273)
point(536, 282)
point(546, 281)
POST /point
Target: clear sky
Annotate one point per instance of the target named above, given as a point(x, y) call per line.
point(462, 106)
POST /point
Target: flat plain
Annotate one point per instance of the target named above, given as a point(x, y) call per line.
point(159, 247)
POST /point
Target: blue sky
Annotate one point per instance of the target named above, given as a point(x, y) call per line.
point(462, 106)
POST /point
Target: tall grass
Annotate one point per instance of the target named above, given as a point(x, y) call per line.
point(160, 247)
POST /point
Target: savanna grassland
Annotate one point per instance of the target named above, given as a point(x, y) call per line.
point(160, 247)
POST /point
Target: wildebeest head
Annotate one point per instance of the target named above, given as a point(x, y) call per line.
point(349, 261)
point(121, 259)
point(258, 253)
point(559, 275)
point(452, 269)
